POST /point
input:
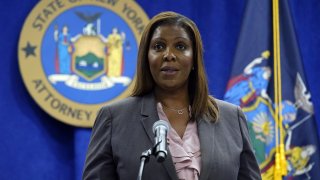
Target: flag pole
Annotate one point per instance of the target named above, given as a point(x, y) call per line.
point(277, 168)
point(280, 167)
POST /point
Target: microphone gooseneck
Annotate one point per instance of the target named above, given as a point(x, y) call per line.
point(159, 150)
point(160, 130)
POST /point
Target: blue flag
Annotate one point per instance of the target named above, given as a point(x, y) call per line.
point(252, 88)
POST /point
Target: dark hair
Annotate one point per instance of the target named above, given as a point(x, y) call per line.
point(201, 102)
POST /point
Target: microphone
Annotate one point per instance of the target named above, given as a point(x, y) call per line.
point(160, 130)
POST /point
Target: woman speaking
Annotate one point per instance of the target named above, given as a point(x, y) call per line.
point(208, 138)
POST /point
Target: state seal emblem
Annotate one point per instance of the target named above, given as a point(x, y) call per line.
point(75, 56)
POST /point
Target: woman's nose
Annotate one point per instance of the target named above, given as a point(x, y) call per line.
point(169, 55)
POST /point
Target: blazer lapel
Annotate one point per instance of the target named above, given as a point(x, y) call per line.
point(206, 136)
point(149, 117)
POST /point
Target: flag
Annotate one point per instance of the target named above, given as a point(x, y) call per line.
point(268, 83)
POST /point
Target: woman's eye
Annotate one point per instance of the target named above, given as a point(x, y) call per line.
point(158, 46)
point(181, 46)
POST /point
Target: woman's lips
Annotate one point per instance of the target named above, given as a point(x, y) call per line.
point(167, 70)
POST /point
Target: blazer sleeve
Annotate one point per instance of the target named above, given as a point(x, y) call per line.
point(99, 162)
point(249, 169)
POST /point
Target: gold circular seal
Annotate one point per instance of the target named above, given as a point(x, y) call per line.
point(77, 55)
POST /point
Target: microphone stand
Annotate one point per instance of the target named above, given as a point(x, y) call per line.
point(144, 158)
point(159, 152)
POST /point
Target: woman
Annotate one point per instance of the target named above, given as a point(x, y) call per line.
point(208, 138)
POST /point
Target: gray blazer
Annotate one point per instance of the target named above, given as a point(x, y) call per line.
point(123, 130)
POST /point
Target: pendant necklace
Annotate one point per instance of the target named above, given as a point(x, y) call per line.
point(179, 111)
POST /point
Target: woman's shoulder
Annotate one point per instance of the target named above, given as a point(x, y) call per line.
point(131, 102)
point(226, 106)
point(230, 117)
point(119, 108)
point(228, 112)
point(128, 101)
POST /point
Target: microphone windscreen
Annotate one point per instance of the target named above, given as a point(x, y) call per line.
point(160, 123)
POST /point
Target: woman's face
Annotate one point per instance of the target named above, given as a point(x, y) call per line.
point(170, 57)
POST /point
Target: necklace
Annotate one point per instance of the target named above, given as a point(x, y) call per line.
point(179, 111)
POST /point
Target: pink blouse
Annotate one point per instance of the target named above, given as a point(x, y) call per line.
point(185, 152)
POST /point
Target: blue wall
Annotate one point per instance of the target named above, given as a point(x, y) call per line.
point(36, 146)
